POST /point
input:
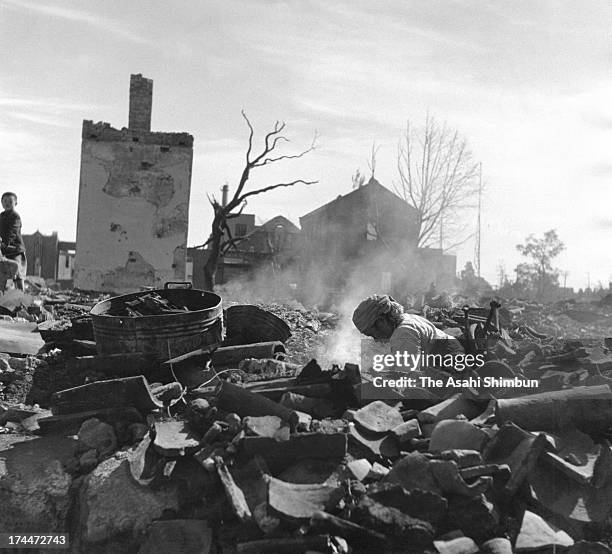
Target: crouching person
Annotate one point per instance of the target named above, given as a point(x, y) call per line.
point(411, 336)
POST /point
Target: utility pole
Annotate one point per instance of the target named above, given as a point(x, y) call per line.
point(478, 227)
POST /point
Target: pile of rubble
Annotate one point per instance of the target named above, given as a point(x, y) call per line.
point(250, 449)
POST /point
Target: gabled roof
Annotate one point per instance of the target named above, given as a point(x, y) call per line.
point(371, 188)
point(271, 224)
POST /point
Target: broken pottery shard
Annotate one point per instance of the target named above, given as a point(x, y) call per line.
point(114, 393)
point(453, 434)
point(413, 471)
point(175, 438)
point(374, 444)
point(356, 534)
point(233, 398)
point(378, 471)
point(446, 473)
point(378, 417)
point(280, 455)
point(233, 493)
point(300, 502)
point(177, 535)
point(498, 545)
point(400, 527)
point(230, 356)
point(167, 393)
point(517, 449)
point(309, 471)
point(317, 407)
point(555, 491)
point(474, 515)
point(248, 324)
point(537, 533)
point(424, 505)
point(360, 468)
point(486, 417)
point(580, 458)
point(460, 545)
point(449, 409)
point(464, 458)
point(406, 431)
point(267, 426)
point(588, 408)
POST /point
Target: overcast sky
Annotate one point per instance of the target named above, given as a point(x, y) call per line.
point(528, 83)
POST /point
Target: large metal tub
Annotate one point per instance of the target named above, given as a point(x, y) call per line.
point(160, 336)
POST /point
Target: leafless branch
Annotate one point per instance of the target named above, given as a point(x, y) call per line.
point(278, 185)
point(439, 180)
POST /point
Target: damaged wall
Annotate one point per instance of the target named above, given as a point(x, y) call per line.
point(133, 202)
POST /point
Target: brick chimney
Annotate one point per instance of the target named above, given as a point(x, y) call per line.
point(141, 101)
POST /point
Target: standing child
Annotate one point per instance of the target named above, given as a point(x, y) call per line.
point(13, 263)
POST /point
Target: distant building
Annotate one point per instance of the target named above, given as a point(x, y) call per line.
point(50, 258)
point(133, 201)
point(268, 247)
point(368, 236)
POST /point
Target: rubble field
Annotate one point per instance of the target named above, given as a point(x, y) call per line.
point(267, 442)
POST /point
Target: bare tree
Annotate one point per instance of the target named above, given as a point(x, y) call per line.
point(438, 177)
point(372, 160)
point(221, 240)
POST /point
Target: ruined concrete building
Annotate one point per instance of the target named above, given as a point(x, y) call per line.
point(133, 201)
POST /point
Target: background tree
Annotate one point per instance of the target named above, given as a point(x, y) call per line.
point(470, 284)
point(221, 239)
point(438, 177)
point(539, 275)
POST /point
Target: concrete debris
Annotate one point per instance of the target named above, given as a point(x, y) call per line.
point(111, 503)
point(34, 483)
point(278, 452)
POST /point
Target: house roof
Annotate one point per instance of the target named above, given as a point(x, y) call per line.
point(271, 224)
point(371, 187)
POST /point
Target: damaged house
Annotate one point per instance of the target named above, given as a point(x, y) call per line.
point(369, 236)
point(133, 201)
point(271, 247)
